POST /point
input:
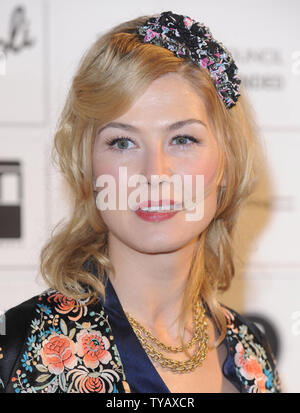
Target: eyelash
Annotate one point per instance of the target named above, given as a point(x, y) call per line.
point(112, 142)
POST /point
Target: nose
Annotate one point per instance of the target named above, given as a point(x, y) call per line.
point(157, 162)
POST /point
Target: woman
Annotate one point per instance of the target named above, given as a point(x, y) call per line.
point(132, 304)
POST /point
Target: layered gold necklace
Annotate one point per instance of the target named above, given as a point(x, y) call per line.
point(200, 338)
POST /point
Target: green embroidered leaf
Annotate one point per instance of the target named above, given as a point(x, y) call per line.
point(43, 377)
point(41, 368)
point(72, 333)
point(63, 327)
point(62, 381)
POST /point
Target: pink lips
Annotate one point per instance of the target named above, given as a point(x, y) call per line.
point(155, 216)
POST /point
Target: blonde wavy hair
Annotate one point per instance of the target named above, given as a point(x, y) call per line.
point(111, 75)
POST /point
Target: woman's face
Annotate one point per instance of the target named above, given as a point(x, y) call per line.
point(166, 133)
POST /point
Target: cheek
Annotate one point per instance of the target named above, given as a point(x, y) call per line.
point(209, 170)
point(206, 165)
point(107, 163)
point(102, 165)
point(110, 169)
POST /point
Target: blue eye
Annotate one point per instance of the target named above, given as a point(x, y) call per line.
point(183, 139)
point(120, 144)
point(122, 140)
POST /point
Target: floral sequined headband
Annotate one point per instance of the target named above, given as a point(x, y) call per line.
point(189, 39)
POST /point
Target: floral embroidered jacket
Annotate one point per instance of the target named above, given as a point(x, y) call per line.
point(52, 344)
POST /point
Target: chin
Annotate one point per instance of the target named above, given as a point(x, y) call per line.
point(156, 248)
point(154, 238)
point(156, 243)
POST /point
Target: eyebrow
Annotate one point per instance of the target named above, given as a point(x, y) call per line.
point(168, 128)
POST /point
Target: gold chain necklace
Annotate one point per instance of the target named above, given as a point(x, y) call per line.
point(200, 337)
point(197, 320)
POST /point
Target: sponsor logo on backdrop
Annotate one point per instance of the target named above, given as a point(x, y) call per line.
point(10, 199)
point(18, 36)
point(23, 67)
point(265, 60)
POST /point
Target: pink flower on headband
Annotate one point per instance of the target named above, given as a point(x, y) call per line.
point(150, 35)
point(188, 22)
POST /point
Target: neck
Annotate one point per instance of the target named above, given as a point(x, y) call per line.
point(150, 286)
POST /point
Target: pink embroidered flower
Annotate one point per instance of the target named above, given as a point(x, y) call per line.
point(58, 352)
point(66, 305)
point(87, 382)
point(91, 385)
point(249, 367)
point(92, 346)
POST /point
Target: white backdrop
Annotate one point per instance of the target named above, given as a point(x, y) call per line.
point(41, 43)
